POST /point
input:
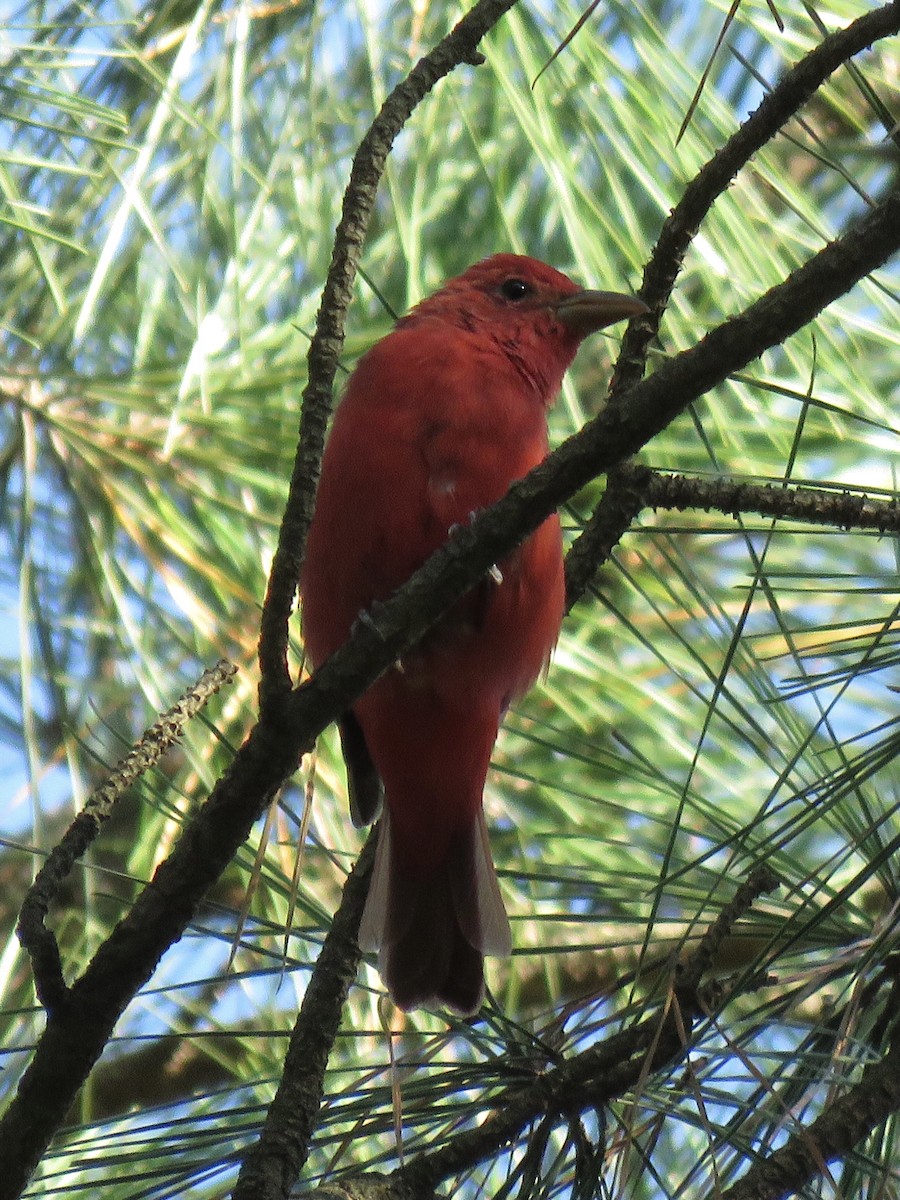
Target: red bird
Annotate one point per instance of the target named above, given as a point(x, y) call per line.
point(438, 419)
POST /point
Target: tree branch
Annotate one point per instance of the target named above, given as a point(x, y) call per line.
point(597, 1075)
point(792, 91)
point(617, 433)
point(843, 1125)
point(36, 938)
point(789, 95)
point(638, 487)
point(272, 1164)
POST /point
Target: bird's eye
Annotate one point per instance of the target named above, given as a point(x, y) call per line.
point(515, 289)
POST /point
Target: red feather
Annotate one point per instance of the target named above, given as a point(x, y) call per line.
point(438, 419)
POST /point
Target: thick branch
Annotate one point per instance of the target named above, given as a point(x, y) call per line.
point(79, 1028)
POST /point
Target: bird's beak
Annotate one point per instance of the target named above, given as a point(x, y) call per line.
point(586, 312)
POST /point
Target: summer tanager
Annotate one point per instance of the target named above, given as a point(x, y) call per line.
point(438, 419)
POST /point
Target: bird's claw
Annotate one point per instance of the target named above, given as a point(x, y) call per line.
point(369, 618)
point(494, 572)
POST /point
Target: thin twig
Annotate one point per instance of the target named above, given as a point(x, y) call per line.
point(792, 91)
point(273, 1163)
point(638, 487)
point(39, 941)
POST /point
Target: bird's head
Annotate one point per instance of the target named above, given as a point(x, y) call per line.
point(535, 314)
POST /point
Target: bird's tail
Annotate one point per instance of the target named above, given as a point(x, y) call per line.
point(432, 931)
